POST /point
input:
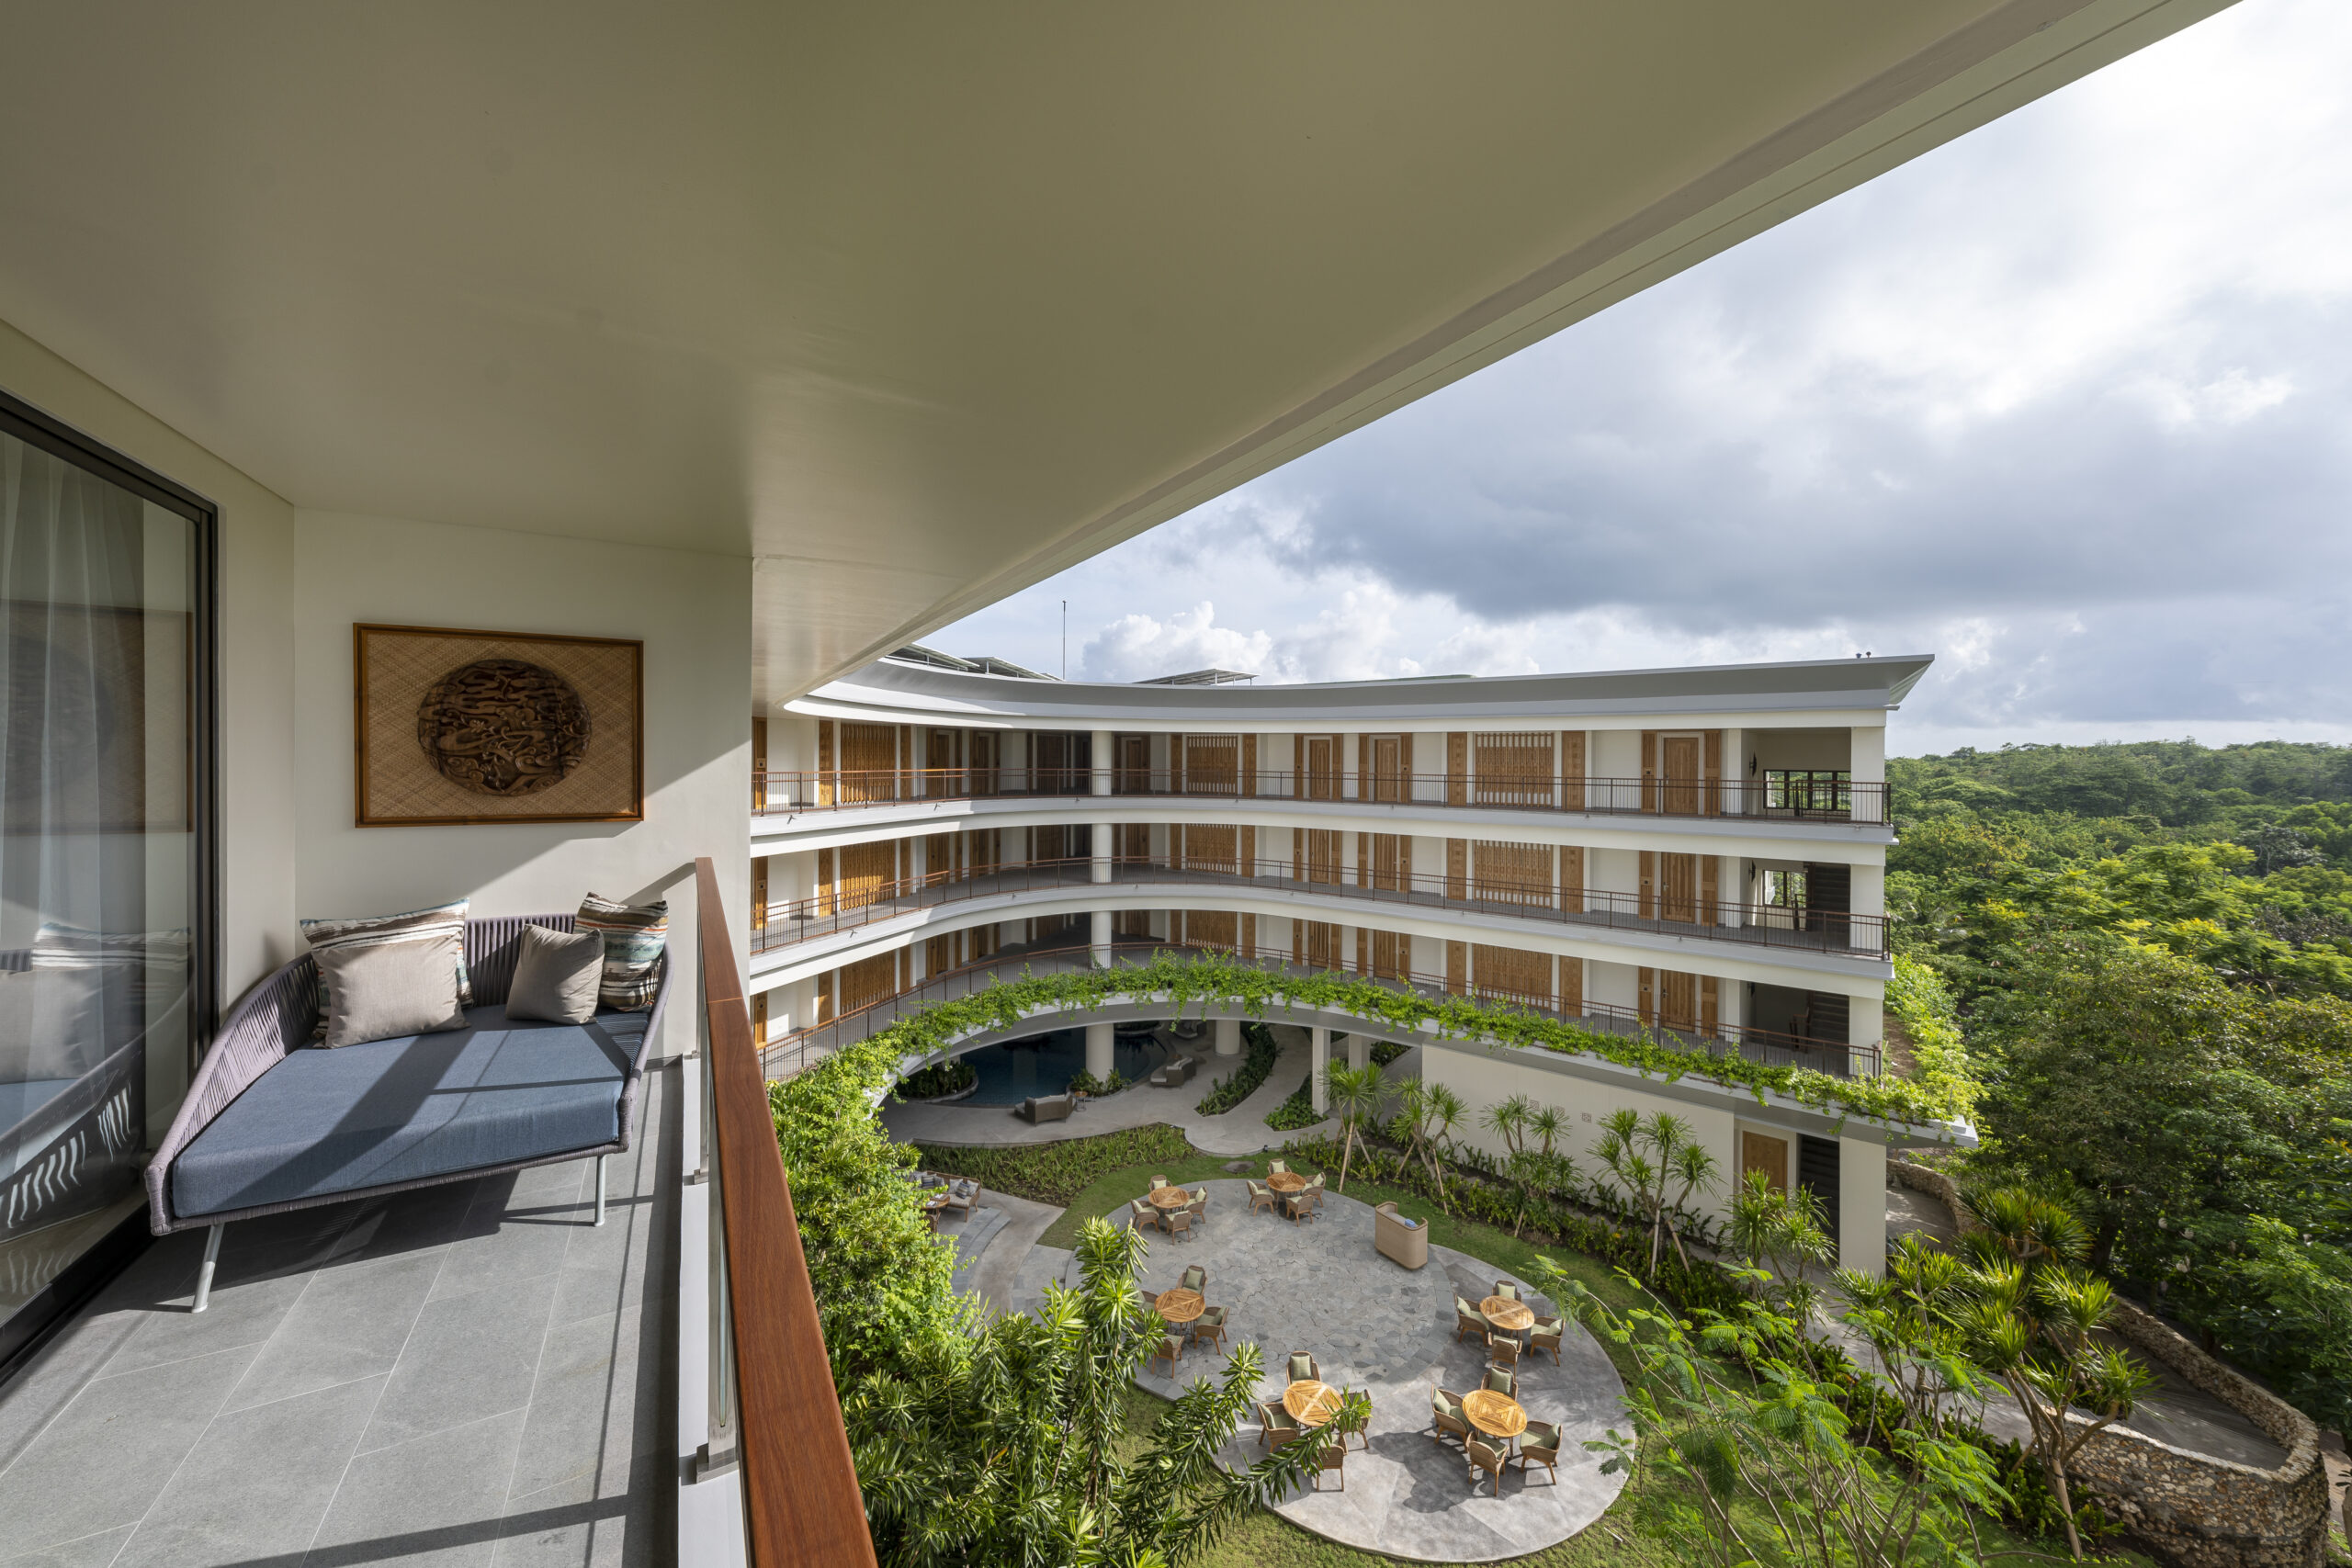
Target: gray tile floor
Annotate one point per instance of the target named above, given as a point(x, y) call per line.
point(469, 1374)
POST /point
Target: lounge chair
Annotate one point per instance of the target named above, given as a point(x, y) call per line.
point(1194, 1278)
point(1546, 1336)
point(1539, 1444)
point(1276, 1427)
point(269, 1125)
point(1483, 1458)
point(1467, 1321)
point(962, 1194)
point(1329, 1457)
point(1446, 1416)
point(1172, 1350)
point(1178, 1070)
point(1260, 1197)
point(1502, 1380)
point(1302, 1368)
point(1210, 1325)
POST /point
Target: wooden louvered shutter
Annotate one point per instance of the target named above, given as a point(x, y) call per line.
point(1457, 868)
point(1298, 767)
point(1457, 968)
point(1572, 988)
point(825, 996)
point(1249, 764)
point(825, 762)
point(1363, 767)
point(1714, 741)
point(1646, 903)
point(1246, 858)
point(1572, 879)
point(1457, 768)
point(1649, 769)
point(826, 900)
point(1176, 764)
point(1710, 871)
point(760, 893)
point(1572, 770)
point(1298, 855)
point(1405, 758)
point(1298, 941)
point(760, 769)
point(1710, 1007)
point(1364, 950)
point(1646, 995)
point(1363, 859)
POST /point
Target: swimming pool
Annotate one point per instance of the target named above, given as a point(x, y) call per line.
point(1045, 1064)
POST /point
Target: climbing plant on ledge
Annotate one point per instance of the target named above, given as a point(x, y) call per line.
point(1940, 1092)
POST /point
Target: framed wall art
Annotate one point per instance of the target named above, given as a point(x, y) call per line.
point(462, 726)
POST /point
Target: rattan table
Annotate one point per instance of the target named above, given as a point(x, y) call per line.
point(1508, 1316)
point(1179, 1305)
point(1497, 1415)
point(1286, 1181)
point(1170, 1198)
point(1311, 1403)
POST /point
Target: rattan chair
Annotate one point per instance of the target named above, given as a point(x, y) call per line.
point(1157, 1182)
point(1445, 1416)
point(1302, 1368)
point(1546, 1336)
point(1179, 1222)
point(1503, 1380)
point(1482, 1458)
point(1172, 1350)
point(1503, 1349)
point(1330, 1457)
point(1210, 1325)
point(1194, 1277)
point(1503, 1288)
point(1276, 1168)
point(1140, 1213)
point(1313, 1191)
point(1200, 1204)
point(1261, 1197)
point(1539, 1444)
point(1467, 1320)
point(1275, 1426)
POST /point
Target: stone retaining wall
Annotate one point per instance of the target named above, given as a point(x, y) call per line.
point(2192, 1509)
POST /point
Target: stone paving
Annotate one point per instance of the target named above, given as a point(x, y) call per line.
point(1321, 1286)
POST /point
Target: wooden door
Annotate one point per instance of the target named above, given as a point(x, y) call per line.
point(984, 852)
point(1572, 878)
point(1319, 770)
point(938, 955)
point(1761, 1151)
point(1209, 928)
point(1212, 764)
point(942, 861)
point(1322, 944)
point(1391, 955)
point(1135, 842)
point(1134, 765)
point(1322, 856)
point(760, 893)
point(1680, 764)
point(1512, 873)
point(1512, 972)
point(1645, 895)
point(866, 872)
point(1572, 986)
point(1457, 968)
point(1390, 768)
point(760, 768)
point(1711, 1016)
point(1388, 861)
point(983, 755)
point(1678, 890)
point(1646, 995)
point(867, 981)
point(1678, 1000)
point(870, 764)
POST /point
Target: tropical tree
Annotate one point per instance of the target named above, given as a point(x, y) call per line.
point(1005, 1449)
point(1650, 1156)
point(1354, 1093)
point(1443, 1111)
point(1779, 1234)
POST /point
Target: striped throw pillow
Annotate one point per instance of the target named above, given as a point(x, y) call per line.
point(634, 935)
point(440, 923)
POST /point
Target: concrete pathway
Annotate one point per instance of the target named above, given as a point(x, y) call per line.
point(1241, 1131)
point(1321, 1288)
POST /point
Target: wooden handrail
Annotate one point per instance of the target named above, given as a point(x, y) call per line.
point(801, 1501)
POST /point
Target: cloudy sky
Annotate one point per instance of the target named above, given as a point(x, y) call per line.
point(2066, 403)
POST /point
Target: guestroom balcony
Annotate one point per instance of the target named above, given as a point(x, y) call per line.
point(471, 1372)
point(1805, 797)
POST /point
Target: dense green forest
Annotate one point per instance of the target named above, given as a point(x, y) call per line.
point(2149, 946)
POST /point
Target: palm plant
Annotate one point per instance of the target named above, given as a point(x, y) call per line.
point(1651, 1157)
point(1443, 1111)
point(1354, 1093)
point(1780, 1232)
point(1002, 1446)
point(1910, 1315)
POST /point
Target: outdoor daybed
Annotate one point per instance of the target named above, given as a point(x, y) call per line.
point(272, 1123)
point(1047, 1108)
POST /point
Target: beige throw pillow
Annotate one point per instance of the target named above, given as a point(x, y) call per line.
point(391, 989)
point(556, 975)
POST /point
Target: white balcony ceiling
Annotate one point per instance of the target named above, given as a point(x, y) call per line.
point(914, 304)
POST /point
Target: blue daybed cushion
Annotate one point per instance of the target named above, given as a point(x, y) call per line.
point(422, 1105)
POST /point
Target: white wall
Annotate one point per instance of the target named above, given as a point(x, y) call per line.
point(255, 581)
point(691, 610)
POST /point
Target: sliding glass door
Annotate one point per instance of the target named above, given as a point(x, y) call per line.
point(105, 901)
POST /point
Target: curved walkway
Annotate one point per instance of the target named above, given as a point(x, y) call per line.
point(1241, 1131)
point(1372, 1325)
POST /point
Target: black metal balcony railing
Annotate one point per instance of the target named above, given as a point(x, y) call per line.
point(1757, 925)
point(789, 1053)
point(1819, 797)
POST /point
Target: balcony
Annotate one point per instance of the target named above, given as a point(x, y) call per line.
point(789, 1053)
point(1770, 926)
point(1795, 797)
point(468, 1372)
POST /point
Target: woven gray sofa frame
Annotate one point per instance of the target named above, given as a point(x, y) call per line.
point(277, 1016)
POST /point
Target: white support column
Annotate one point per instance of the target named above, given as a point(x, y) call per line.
point(1228, 1037)
point(1737, 786)
point(1861, 1205)
point(1099, 937)
point(1099, 766)
point(1866, 761)
point(1098, 1049)
point(1866, 1026)
point(1318, 1064)
point(1359, 1051)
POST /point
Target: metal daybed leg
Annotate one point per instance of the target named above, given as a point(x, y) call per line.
point(204, 1275)
point(600, 1187)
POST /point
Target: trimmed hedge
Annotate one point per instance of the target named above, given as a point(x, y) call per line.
point(1056, 1173)
point(1940, 1092)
